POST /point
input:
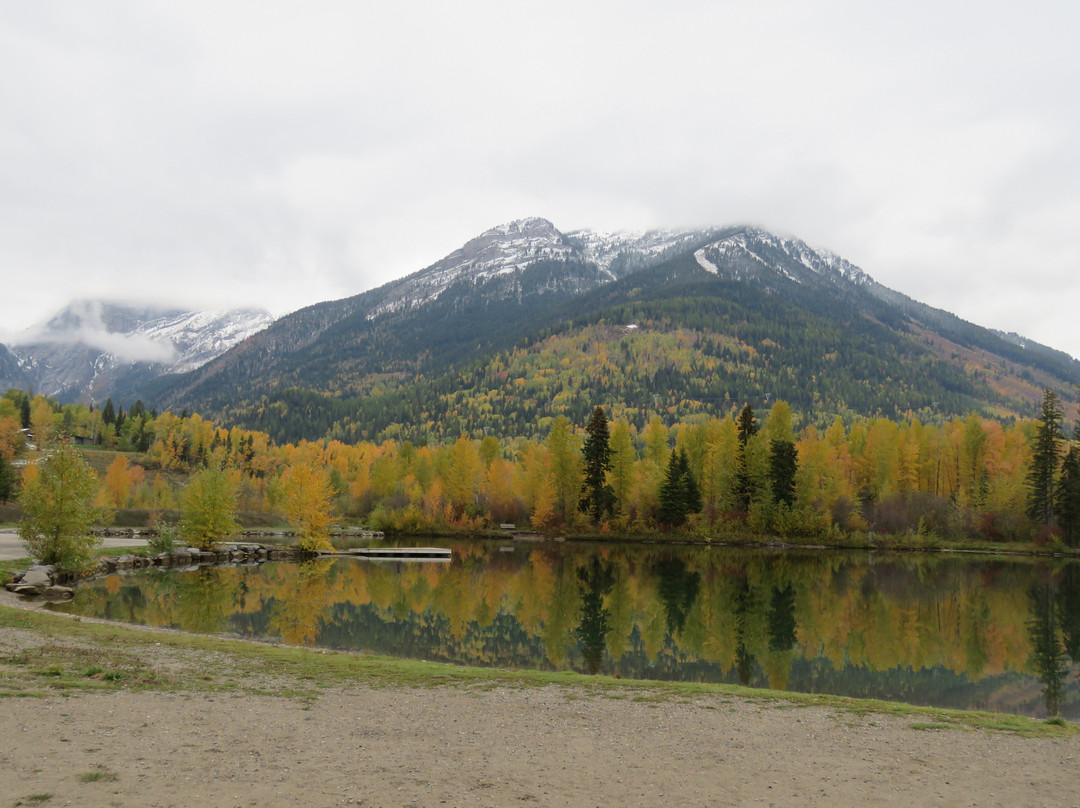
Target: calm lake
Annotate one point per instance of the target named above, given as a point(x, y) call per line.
point(935, 629)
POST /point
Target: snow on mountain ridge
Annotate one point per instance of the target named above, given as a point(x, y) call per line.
point(501, 250)
point(80, 350)
point(512, 247)
point(755, 244)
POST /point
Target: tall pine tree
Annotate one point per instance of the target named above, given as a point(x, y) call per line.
point(783, 463)
point(679, 493)
point(597, 497)
point(1067, 504)
point(1042, 478)
point(747, 427)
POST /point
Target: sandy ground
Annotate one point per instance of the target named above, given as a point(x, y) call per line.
point(392, 747)
point(11, 546)
point(468, 746)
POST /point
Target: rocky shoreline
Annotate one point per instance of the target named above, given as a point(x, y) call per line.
point(46, 582)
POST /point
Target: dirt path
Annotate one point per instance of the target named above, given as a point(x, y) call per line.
point(11, 546)
point(466, 746)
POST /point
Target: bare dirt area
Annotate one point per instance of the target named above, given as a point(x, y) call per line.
point(318, 744)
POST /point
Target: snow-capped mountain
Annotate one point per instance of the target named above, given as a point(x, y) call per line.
point(754, 253)
point(773, 316)
point(500, 260)
point(505, 254)
point(92, 349)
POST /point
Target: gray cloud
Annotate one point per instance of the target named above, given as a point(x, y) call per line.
point(256, 153)
point(84, 322)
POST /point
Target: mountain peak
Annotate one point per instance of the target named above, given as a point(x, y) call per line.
point(526, 226)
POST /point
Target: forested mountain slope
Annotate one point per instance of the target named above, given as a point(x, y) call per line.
point(525, 323)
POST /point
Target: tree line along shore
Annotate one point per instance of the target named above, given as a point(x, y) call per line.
point(735, 478)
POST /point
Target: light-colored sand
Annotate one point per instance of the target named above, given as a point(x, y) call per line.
point(393, 747)
point(464, 746)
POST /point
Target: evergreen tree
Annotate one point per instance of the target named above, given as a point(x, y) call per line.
point(597, 497)
point(746, 426)
point(1044, 461)
point(1067, 503)
point(7, 479)
point(24, 412)
point(679, 493)
point(108, 412)
point(783, 463)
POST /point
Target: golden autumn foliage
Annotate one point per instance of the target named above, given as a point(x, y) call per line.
point(307, 500)
point(959, 478)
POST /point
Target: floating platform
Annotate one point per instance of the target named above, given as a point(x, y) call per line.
point(396, 553)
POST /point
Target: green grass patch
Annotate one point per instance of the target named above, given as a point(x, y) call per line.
point(61, 667)
point(98, 776)
point(14, 565)
point(34, 799)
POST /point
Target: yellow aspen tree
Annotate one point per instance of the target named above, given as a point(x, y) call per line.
point(565, 467)
point(543, 513)
point(161, 496)
point(720, 467)
point(208, 509)
point(10, 440)
point(908, 468)
point(621, 475)
point(307, 499)
point(461, 476)
point(434, 502)
point(42, 420)
point(116, 486)
point(499, 490)
point(972, 462)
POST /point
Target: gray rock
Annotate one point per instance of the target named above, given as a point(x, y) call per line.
point(38, 576)
point(58, 593)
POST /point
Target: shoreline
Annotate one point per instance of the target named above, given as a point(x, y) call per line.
point(241, 723)
point(135, 537)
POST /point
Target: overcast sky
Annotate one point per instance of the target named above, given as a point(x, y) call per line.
point(278, 154)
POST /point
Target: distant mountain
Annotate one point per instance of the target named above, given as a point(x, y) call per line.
point(93, 349)
point(525, 322)
point(11, 373)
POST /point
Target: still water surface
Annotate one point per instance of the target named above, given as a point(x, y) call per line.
point(943, 630)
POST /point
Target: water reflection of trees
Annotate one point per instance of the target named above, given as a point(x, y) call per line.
point(297, 611)
point(678, 588)
point(746, 616)
point(1054, 629)
point(595, 582)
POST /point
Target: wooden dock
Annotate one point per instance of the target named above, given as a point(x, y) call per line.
point(395, 553)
